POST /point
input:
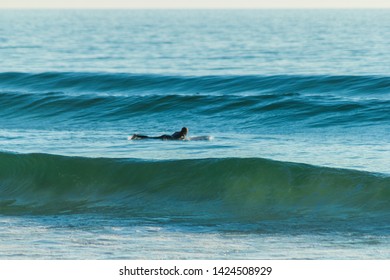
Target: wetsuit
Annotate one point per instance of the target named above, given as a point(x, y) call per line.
point(175, 136)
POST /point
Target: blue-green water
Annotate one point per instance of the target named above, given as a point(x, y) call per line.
point(296, 104)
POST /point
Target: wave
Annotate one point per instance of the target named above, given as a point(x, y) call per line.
point(77, 82)
point(289, 98)
point(229, 189)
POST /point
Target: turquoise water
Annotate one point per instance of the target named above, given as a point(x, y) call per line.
point(296, 104)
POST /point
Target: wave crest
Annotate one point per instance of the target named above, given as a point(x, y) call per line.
point(77, 82)
point(231, 188)
point(246, 101)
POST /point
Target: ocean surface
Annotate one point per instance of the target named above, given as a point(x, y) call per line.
point(295, 104)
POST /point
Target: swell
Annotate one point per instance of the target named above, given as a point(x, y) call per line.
point(253, 189)
point(77, 82)
point(314, 110)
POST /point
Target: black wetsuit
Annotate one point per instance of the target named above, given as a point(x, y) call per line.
point(175, 136)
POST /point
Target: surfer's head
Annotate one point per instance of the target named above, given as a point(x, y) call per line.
point(184, 131)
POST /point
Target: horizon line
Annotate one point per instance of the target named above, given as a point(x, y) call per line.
point(194, 8)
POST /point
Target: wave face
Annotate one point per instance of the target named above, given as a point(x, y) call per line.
point(245, 101)
point(148, 83)
point(229, 189)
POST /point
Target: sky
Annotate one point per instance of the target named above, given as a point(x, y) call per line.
point(169, 4)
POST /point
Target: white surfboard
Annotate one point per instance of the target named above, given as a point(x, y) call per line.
point(201, 138)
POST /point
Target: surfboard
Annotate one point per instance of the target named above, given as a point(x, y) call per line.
point(194, 138)
point(200, 138)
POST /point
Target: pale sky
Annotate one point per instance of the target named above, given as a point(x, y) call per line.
point(169, 4)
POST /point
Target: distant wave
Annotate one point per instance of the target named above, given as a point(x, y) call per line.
point(86, 97)
point(231, 189)
point(148, 83)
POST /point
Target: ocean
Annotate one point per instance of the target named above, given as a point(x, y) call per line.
point(295, 105)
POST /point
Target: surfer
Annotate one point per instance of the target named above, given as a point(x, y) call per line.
point(178, 135)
